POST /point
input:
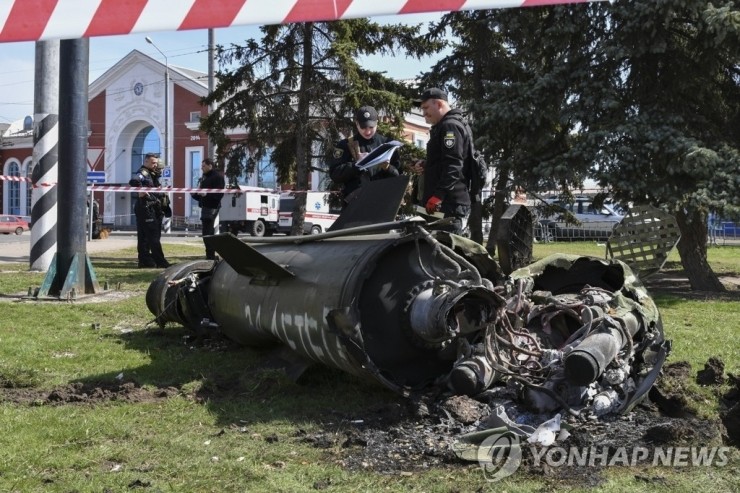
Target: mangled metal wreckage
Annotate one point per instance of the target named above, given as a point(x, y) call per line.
point(415, 309)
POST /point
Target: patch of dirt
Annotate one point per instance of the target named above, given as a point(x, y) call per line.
point(404, 436)
point(676, 283)
point(84, 393)
point(671, 394)
point(712, 374)
point(102, 297)
point(415, 435)
point(730, 411)
point(680, 370)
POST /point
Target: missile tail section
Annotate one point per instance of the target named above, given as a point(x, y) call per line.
point(416, 308)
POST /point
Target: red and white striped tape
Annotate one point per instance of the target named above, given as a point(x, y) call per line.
point(32, 20)
point(127, 188)
point(13, 178)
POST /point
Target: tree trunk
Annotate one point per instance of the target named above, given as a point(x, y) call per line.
point(301, 147)
point(693, 251)
point(499, 207)
point(475, 220)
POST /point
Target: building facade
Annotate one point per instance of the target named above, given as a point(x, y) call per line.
point(129, 115)
point(132, 112)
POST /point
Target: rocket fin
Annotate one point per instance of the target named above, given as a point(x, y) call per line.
point(244, 259)
point(374, 202)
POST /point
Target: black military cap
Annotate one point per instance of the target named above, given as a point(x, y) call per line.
point(432, 93)
point(366, 116)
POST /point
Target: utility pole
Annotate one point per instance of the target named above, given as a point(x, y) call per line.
point(211, 83)
point(71, 272)
point(45, 155)
point(167, 161)
point(166, 103)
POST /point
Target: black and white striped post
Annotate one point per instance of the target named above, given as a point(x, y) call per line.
point(45, 156)
point(71, 273)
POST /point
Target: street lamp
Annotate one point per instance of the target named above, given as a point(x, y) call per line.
point(166, 103)
point(167, 162)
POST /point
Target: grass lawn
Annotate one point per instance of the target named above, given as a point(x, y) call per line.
point(133, 407)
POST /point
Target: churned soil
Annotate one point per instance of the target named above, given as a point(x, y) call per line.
point(405, 435)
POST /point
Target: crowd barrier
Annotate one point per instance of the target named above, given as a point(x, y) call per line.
point(125, 222)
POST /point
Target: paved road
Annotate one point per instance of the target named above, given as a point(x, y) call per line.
point(17, 248)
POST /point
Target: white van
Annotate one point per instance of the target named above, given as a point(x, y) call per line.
point(320, 214)
point(254, 210)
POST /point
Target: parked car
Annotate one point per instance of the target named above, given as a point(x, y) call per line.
point(590, 223)
point(13, 224)
point(27, 219)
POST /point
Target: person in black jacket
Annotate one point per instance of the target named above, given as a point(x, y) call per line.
point(150, 209)
point(209, 202)
point(445, 187)
point(347, 152)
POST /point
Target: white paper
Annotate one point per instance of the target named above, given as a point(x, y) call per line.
point(379, 155)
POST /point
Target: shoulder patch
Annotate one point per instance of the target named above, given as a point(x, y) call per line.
point(449, 140)
point(144, 172)
point(338, 152)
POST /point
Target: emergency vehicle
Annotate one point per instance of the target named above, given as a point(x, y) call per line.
point(320, 214)
point(253, 211)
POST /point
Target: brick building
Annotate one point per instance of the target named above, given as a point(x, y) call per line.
point(126, 116)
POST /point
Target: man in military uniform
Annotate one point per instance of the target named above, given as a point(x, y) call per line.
point(445, 187)
point(209, 203)
point(347, 152)
point(150, 209)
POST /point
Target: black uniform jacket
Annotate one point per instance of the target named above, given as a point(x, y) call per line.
point(342, 166)
point(150, 206)
point(448, 146)
point(211, 179)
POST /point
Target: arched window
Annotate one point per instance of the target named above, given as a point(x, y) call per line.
point(14, 190)
point(147, 140)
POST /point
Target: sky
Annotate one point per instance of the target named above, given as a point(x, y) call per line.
point(182, 48)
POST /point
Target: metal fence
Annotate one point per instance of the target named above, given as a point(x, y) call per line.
point(546, 232)
point(124, 222)
point(718, 234)
point(722, 231)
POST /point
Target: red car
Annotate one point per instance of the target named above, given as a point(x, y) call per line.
point(13, 224)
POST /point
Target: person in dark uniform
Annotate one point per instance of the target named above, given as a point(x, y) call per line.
point(209, 203)
point(445, 188)
point(348, 151)
point(150, 209)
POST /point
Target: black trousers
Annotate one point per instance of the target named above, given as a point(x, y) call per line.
point(208, 228)
point(458, 213)
point(148, 244)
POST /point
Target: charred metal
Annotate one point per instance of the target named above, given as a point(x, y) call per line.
point(420, 310)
